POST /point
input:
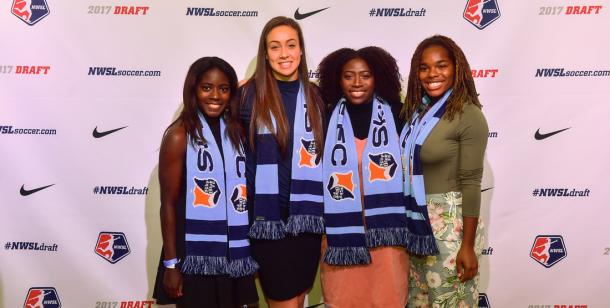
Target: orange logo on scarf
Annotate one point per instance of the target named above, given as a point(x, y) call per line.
point(207, 193)
point(239, 198)
point(341, 185)
point(382, 167)
point(307, 154)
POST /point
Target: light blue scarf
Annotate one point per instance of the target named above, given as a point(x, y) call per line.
point(384, 211)
point(216, 215)
point(420, 238)
point(306, 200)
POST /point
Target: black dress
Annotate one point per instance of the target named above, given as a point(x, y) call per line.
point(288, 266)
point(214, 291)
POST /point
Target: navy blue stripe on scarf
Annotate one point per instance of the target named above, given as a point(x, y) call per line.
point(420, 239)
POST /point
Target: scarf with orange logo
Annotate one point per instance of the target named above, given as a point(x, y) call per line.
point(306, 201)
point(216, 215)
point(383, 207)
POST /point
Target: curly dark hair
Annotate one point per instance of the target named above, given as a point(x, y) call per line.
point(189, 114)
point(464, 89)
point(383, 67)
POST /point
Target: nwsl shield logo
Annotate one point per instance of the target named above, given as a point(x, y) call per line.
point(307, 154)
point(42, 298)
point(481, 13)
point(207, 193)
point(30, 11)
point(548, 250)
point(382, 167)
point(239, 198)
point(483, 301)
point(112, 246)
point(341, 186)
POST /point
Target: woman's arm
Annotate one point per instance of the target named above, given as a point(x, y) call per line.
point(171, 161)
point(473, 133)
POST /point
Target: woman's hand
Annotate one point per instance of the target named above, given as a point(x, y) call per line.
point(172, 282)
point(466, 263)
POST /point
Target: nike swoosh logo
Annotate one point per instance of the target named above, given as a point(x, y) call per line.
point(539, 136)
point(299, 16)
point(27, 192)
point(97, 134)
point(486, 189)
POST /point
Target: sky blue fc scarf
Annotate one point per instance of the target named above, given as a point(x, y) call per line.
point(420, 238)
point(306, 189)
point(216, 215)
point(384, 210)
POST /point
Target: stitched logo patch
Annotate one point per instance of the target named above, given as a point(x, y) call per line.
point(239, 198)
point(307, 154)
point(341, 186)
point(382, 167)
point(207, 193)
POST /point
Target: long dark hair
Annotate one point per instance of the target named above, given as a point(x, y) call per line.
point(383, 67)
point(464, 89)
point(189, 114)
point(267, 101)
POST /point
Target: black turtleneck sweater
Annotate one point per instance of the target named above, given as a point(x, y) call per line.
point(214, 124)
point(360, 118)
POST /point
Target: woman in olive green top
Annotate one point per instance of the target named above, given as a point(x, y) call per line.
point(443, 148)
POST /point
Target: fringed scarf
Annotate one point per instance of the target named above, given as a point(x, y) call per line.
point(306, 188)
point(384, 211)
point(421, 239)
point(216, 215)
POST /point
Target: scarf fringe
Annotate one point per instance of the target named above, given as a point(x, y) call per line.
point(386, 237)
point(242, 267)
point(347, 255)
point(421, 245)
point(204, 265)
point(267, 230)
point(305, 224)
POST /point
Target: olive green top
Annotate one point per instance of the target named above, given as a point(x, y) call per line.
point(452, 157)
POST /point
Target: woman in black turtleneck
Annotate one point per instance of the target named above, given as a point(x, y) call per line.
point(359, 77)
point(288, 260)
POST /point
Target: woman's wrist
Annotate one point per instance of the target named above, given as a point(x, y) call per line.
point(171, 263)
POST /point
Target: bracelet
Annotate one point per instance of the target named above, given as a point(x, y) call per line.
point(171, 263)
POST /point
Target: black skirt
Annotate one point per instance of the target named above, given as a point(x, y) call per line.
point(288, 266)
point(209, 291)
point(199, 290)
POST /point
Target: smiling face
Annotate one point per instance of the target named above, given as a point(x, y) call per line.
point(284, 52)
point(213, 92)
point(436, 71)
point(357, 81)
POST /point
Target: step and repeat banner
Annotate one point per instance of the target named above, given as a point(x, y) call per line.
point(88, 87)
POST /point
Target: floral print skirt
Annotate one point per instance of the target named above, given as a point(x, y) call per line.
point(433, 279)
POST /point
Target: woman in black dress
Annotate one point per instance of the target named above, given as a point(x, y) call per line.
point(206, 260)
point(282, 114)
